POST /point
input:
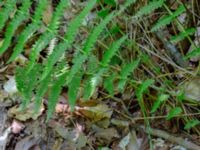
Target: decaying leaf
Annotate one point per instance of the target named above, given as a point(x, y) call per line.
point(97, 112)
point(27, 113)
point(74, 136)
point(130, 142)
point(192, 89)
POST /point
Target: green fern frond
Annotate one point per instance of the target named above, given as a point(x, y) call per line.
point(143, 88)
point(26, 84)
point(41, 90)
point(69, 38)
point(182, 35)
point(125, 72)
point(193, 53)
point(49, 34)
point(94, 80)
point(112, 50)
point(174, 112)
point(161, 98)
point(54, 94)
point(21, 15)
point(109, 85)
point(73, 90)
point(92, 38)
point(150, 7)
point(92, 83)
point(6, 11)
point(29, 30)
point(165, 20)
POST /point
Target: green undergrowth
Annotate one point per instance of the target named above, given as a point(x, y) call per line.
point(108, 57)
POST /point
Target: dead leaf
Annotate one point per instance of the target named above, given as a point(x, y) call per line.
point(130, 142)
point(192, 89)
point(106, 134)
point(97, 112)
point(75, 136)
point(10, 86)
point(26, 114)
point(57, 145)
point(27, 143)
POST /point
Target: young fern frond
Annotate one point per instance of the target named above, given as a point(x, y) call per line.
point(49, 34)
point(125, 72)
point(19, 17)
point(165, 20)
point(54, 94)
point(182, 35)
point(29, 30)
point(150, 7)
point(5, 12)
point(69, 38)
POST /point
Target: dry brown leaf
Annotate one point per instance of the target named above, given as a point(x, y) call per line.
point(107, 134)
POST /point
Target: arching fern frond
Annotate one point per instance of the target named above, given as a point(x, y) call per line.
point(19, 17)
point(29, 30)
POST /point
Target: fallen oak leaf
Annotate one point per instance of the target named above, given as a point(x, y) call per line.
point(97, 112)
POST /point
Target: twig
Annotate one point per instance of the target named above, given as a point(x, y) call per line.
point(172, 50)
point(171, 138)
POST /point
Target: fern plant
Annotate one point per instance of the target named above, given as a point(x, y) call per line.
point(53, 73)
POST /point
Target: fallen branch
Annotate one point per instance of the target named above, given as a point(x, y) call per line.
point(171, 138)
